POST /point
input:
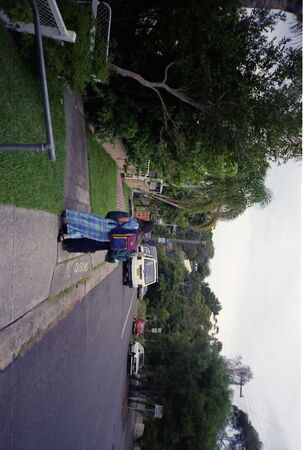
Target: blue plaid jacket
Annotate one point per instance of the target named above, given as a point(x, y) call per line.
point(81, 224)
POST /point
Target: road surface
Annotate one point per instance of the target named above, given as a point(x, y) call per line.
point(69, 391)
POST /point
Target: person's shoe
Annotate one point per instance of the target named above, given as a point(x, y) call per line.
point(60, 236)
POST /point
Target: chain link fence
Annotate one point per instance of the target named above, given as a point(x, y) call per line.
point(101, 30)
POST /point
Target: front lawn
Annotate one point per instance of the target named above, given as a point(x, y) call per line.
point(127, 197)
point(28, 179)
point(102, 178)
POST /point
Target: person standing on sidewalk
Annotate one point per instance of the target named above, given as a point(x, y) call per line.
point(80, 224)
point(83, 232)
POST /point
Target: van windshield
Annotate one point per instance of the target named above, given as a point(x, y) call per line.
point(149, 271)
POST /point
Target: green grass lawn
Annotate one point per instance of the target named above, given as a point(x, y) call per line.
point(127, 196)
point(102, 178)
point(28, 179)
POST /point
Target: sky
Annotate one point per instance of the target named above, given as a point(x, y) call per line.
point(256, 275)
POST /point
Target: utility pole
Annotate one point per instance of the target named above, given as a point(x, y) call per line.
point(241, 384)
point(178, 241)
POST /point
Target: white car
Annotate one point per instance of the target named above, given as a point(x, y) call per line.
point(148, 249)
point(141, 270)
point(136, 354)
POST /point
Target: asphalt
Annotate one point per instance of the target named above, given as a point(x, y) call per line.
point(34, 269)
point(70, 390)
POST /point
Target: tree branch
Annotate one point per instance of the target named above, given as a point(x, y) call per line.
point(166, 70)
point(156, 86)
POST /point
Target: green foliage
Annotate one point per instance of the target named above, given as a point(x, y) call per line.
point(192, 383)
point(217, 52)
point(180, 301)
point(141, 308)
point(248, 88)
point(190, 377)
point(210, 299)
point(222, 198)
point(72, 62)
point(75, 63)
point(244, 434)
point(72, 65)
point(116, 120)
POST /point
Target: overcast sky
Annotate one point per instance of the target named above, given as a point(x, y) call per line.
point(256, 275)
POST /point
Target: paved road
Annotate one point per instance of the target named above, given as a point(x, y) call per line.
point(68, 392)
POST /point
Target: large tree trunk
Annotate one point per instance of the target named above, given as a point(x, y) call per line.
point(290, 6)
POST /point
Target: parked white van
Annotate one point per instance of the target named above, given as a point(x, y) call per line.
point(141, 270)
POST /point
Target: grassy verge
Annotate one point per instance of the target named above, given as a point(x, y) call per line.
point(28, 179)
point(127, 196)
point(141, 308)
point(102, 178)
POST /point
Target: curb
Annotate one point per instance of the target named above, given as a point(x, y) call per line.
point(16, 339)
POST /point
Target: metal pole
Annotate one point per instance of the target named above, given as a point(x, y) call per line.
point(49, 145)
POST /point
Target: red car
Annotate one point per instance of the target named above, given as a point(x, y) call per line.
point(138, 326)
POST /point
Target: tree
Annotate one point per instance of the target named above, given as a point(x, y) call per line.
point(212, 99)
point(239, 433)
point(210, 299)
point(192, 384)
point(221, 199)
point(201, 91)
point(238, 373)
point(290, 6)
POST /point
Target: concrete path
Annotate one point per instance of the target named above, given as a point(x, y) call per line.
point(28, 257)
point(76, 183)
point(34, 270)
point(118, 152)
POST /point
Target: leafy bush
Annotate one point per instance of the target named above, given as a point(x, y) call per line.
point(115, 118)
point(67, 64)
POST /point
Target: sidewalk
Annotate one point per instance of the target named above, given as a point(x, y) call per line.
point(33, 267)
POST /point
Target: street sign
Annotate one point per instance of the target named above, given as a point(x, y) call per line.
point(156, 330)
point(158, 411)
point(163, 240)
